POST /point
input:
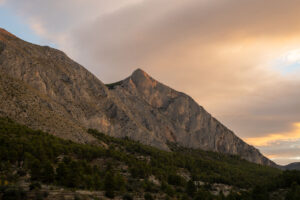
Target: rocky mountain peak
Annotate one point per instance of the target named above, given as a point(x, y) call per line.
point(171, 116)
point(142, 80)
point(139, 72)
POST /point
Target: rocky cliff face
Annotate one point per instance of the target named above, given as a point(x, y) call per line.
point(43, 88)
point(175, 117)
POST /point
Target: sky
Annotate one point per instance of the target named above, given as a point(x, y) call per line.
point(240, 60)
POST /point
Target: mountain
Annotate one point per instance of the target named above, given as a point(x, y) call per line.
point(175, 117)
point(44, 89)
point(292, 166)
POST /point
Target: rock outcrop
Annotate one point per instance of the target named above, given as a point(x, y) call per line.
point(43, 88)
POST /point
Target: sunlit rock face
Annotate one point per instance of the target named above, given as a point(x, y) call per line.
point(44, 89)
point(174, 116)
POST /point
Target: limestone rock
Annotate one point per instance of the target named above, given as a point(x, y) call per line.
point(173, 116)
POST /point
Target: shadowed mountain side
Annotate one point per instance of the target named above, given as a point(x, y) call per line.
point(292, 166)
point(82, 98)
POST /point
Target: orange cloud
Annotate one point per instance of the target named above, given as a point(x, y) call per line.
point(276, 137)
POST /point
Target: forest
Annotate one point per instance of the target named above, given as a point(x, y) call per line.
point(123, 167)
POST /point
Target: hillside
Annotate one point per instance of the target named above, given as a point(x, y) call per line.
point(125, 169)
point(45, 89)
point(175, 117)
point(292, 166)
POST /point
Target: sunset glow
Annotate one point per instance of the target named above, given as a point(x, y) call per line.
point(276, 137)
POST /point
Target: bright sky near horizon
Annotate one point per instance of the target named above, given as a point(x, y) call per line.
point(238, 59)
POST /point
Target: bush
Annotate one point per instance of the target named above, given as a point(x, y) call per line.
point(110, 193)
point(21, 172)
point(167, 189)
point(174, 179)
point(39, 195)
point(77, 197)
point(127, 197)
point(148, 196)
point(260, 193)
point(203, 195)
point(294, 192)
point(191, 188)
point(35, 186)
point(14, 193)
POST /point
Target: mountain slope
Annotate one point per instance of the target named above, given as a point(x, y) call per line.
point(175, 117)
point(292, 166)
point(80, 96)
point(27, 106)
point(138, 107)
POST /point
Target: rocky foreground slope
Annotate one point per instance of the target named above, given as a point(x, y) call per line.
point(43, 88)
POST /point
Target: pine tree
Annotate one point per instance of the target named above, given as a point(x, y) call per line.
point(191, 188)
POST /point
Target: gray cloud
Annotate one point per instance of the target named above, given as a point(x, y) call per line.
point(141, 33)
point(269, 109)
point(283, 152)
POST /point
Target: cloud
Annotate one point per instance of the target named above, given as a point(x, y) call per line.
point(283, 152)
point(294, 135)
point(270, 108)
point(59, 17)
point(236, 58)
point(193, 27)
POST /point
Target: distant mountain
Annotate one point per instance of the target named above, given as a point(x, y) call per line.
point(44, 89)
point(292, 166)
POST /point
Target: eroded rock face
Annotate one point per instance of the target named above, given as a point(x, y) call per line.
point(70, 91)
point(23, 104)
point(45, 89)
point(174, 116)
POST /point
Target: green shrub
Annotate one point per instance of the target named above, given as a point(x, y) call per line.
point(148, 196)
point(14, 193)
point(35, 186)
point(294, 192)
point(177, 180)
point(127, 197)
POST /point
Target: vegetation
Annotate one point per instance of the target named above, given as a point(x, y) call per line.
point(124, 167)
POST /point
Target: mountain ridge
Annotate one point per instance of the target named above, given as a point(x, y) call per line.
point(292, 166)
point(138, 107)
point(169, 103)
